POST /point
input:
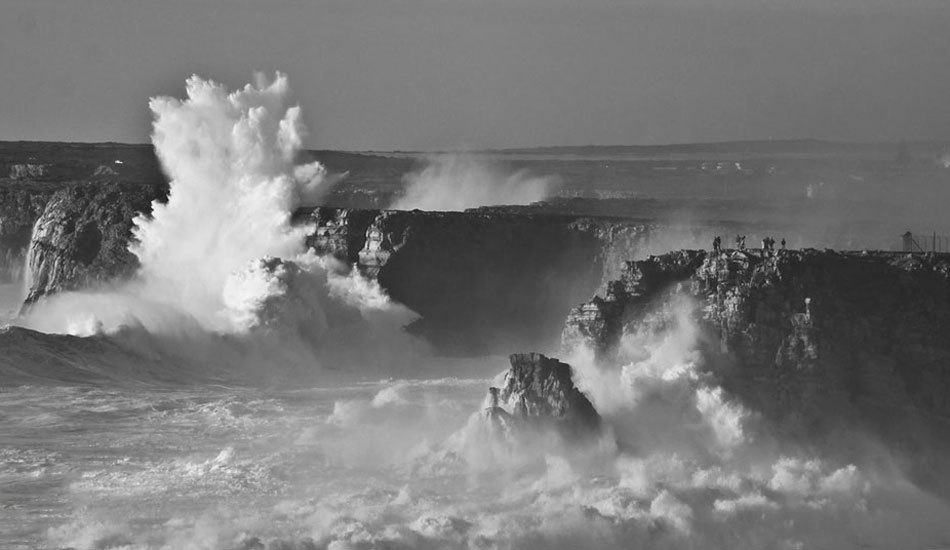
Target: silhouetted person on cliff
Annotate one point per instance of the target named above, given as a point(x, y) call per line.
point(742, 243)
point(717, 244)
point(783, 243)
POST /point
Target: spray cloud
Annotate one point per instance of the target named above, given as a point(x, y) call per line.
point(457, 181)
point(221, 254)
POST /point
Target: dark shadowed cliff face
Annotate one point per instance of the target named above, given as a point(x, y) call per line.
point(83, 234)
point(483, 282)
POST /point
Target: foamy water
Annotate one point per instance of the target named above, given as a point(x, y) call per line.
point(210, 467)
point(403, 464)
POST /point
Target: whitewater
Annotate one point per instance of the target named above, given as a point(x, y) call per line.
point(241, 392)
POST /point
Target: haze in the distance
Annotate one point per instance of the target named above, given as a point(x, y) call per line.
point(434, 74)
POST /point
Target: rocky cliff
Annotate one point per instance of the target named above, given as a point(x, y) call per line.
point(82, 236)
point(816, 341)
point(482, 281)
point(20, 205)
point(805, 313)
point(32, 172)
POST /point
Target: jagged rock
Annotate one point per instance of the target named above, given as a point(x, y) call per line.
point(339, 232)
point(83, 234)
point(539, 391)
point(384, 237)
point(600, 322)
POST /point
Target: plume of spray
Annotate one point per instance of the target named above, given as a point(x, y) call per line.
point(233, 188)
point(458, 181)
point(221, 255)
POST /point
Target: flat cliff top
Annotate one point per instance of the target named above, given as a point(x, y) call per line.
point(904, 260)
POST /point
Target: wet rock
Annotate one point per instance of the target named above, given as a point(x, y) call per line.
point(20, 206)
point(599, 323)
point(81, 239)
point(540, 391)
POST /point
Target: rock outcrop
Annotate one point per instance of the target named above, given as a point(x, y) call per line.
point(81, 239)
point(538, 391)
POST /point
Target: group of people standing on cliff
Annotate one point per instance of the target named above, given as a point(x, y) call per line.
point(768, 243)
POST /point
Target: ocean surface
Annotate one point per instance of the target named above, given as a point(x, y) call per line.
point(216, 467)
point(417, 464)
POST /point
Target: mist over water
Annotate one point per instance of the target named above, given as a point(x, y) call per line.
point(458, 181)
point(418, 463)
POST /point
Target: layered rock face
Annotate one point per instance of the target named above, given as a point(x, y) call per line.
point(20, 206)
point(538, 391)
point(82, 236)
point(813, 339)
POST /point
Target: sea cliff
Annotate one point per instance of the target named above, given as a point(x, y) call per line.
point(820, 343)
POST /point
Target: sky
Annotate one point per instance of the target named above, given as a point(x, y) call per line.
point(440, 74)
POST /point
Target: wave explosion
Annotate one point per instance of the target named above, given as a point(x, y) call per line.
point(221, 255)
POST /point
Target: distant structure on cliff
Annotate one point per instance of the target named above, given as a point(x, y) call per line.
point(924, 243)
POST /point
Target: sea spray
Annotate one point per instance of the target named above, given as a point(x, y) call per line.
point(457, 181)
point(222, 256)
point(233, 188)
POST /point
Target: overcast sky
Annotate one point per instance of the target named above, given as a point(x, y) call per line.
point(432, 74)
